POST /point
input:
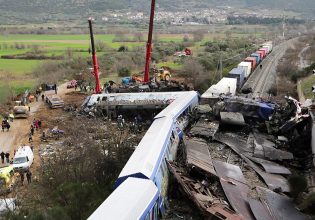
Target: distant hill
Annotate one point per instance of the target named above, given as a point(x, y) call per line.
point(44, 10)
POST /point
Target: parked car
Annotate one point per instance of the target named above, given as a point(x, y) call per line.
point(23, 158)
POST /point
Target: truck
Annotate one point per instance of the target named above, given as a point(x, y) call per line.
point(51, 97)
point(21, 111)
point(186, 52)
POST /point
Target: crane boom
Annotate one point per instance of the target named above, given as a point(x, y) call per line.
point(149, 45)
point(95, 62)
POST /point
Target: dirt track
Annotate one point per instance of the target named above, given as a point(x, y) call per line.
point(19, 130)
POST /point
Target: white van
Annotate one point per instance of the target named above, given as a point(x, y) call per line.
point(23, 158)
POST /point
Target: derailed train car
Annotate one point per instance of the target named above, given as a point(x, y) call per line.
point(148, 164)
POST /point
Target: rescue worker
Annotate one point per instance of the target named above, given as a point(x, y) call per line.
point(7, 157)
point(30, 138)
point(22, 177)
point(29, 176)
point(2, 156)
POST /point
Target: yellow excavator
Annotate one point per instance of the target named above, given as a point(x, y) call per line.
point(163, 73)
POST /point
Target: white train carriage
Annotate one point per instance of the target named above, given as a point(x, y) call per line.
point(148, 161)
point(180, 108)
point(134, 199)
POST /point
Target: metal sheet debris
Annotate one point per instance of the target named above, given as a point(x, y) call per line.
point(233, 118)
point(235, 187)
point(274, 181)
point(265, 149)
point(198, 155)
point(209, 204)
point(259, 210)
point(271, 167)
point(204, 129)
point(280, 206)
point(234, 141)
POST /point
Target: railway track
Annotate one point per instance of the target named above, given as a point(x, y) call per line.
point(261, 79)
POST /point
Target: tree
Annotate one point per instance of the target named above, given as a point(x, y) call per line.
point(198, 36)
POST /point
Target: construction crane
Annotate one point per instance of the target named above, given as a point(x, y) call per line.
point(96, 68)
point(149, 45)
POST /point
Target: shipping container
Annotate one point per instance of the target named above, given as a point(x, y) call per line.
point(268, 48)
point(261, 54)
point(257, 56)
point(264, 50)
point(247, 66)
point(253, 61)
point(239, 74)
point(269, 43)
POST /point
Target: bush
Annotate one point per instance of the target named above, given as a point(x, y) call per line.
point(298, 184)
point(308, 205)
point(123, 71)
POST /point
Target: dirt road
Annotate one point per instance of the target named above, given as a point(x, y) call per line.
point(20, 128)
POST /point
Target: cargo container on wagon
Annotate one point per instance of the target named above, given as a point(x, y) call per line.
point(257, 56)
point(261, 54)
point(253, 61)
point(264, 50)
point(268, 48)
point(269, 44)
point(247, 66)
point(239, 74)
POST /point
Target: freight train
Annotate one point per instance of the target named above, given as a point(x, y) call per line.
point(141, 188)
point(241, 73)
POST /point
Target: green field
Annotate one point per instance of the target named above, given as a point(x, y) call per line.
point(306, 85)
point(18, 71)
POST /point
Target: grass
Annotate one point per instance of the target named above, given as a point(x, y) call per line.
point(18, 67)
point(170, 64)
point(306, 85)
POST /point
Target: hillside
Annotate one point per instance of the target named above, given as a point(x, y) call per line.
point(38, 11)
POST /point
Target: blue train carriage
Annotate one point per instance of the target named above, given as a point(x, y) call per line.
point(134, 199)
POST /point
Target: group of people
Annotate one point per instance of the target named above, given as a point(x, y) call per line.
point(5, 156)
point(28, 176)
point(36, 125)
point(5, 125)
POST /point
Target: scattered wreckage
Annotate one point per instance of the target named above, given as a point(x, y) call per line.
point(242, 173)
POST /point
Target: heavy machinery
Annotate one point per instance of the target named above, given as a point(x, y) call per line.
point(149, 45)
point(163, 74)
point(21, 111)
point(96, 68)
point(51, 97)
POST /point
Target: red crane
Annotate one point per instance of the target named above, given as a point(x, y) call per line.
point(149, 45)
point(96, 68)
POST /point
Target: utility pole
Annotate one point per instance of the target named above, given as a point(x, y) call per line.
point(221, 66)
point(283, 27)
